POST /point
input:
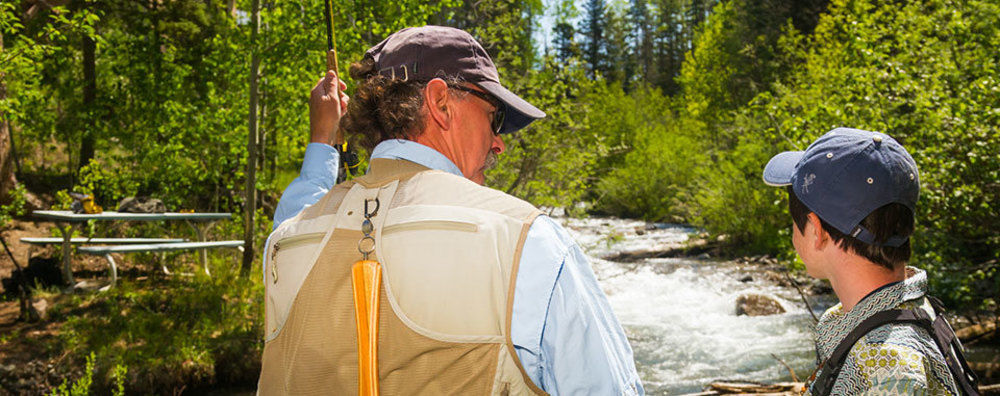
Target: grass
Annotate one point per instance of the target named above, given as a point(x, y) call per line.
point(172, 334)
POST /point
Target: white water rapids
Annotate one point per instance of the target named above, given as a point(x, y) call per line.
point(680, 314)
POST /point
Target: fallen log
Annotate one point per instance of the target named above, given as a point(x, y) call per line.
point(690, 249)
point(782, 388)
point(752, 388)
point(990, 389)
point(973, 332)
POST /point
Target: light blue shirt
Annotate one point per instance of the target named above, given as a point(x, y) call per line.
point(564, 332)
point(318, 175)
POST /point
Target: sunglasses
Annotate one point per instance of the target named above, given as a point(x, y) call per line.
point(498, 115)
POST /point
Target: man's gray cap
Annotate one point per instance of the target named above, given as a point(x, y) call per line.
point(847, 174)
point(427, 52)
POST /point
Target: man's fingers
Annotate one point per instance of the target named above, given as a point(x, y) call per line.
point(319, 84)
point(325, 86)
point(330, 82)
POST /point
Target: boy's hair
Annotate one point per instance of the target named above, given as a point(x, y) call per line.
point(884, 222)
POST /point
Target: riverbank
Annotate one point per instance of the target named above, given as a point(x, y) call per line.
point(676, 299)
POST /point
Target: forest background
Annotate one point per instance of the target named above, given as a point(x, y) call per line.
point(664, 110)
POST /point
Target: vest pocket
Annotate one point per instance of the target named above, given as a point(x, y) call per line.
point(291, 256)
point(445, 225)
point(289, 247)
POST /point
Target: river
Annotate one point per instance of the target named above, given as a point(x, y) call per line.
point(680, 313)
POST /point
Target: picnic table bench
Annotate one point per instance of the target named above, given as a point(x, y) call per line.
point(67, 221)
point(81, 241)
point(157, 247)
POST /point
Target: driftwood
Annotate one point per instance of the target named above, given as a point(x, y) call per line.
point(752, 388)
point(990, 389)
point(976, 331)
point(691, 249)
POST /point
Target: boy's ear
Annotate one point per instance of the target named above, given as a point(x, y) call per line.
point(819, 234)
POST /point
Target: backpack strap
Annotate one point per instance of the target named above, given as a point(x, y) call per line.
point(942, 333)
point(947, 341)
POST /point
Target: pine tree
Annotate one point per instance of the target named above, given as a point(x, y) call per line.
point(566, 46)
point(593, 29)
point(642, 39)
point(619, 64)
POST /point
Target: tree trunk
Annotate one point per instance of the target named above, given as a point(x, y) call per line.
point(252, 142)
point(7, 178)
point(89, 97)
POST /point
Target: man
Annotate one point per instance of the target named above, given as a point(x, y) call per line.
point(481, 293)
point(852, 196)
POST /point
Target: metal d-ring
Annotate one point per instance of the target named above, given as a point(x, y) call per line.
point(367, 228)
point(374, 212)
point(366, 252)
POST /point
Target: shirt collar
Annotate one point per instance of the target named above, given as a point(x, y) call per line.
point(836, 324)
point(415, 152)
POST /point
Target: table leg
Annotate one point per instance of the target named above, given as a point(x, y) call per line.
point(67, 270)
point(163, 263)
point(200, 231)
point(113, 269)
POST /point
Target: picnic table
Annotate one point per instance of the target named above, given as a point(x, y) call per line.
point(67, 222)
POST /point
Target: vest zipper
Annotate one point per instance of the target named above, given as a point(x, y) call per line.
point(290, 242)
point(433, 225)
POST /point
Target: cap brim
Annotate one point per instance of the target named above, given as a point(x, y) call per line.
point(779, 170)
point(519, 113)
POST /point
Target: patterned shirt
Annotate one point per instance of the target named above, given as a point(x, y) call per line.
point(893, 359)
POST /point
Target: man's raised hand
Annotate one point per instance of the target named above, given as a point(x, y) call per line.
point(325, 109)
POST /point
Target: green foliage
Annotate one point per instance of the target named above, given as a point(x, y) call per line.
point(80, 387)
point(652, 163)
point(16, 205)
point(551, 162)
point(923, 72)
point(648, 137)
point(174, 333)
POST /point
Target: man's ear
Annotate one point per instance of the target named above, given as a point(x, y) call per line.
point(820, 237)
point(438, 105)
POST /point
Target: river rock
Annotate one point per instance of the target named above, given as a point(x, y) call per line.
point(757, 305)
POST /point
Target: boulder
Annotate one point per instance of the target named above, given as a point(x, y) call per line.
point(757, 305)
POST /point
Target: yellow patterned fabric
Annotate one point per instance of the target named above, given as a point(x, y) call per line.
point(894, 359)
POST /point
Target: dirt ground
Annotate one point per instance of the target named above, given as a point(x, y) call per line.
point(20, 228)
point(27, 366)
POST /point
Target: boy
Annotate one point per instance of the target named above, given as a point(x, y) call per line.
point(852, 196)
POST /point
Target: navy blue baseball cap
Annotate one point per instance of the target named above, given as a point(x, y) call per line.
point(847, 174)
point(426, 52)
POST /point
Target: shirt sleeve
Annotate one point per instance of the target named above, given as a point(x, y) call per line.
point(318, 175)
point(563, 329)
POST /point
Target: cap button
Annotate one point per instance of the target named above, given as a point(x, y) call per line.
point(877, 139)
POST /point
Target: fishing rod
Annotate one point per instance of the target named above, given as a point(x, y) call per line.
point(348, 158)
point(366, 274)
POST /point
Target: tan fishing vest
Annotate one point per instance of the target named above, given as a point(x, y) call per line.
point(449, 250)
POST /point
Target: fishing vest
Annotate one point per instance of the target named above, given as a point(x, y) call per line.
point(449, 251)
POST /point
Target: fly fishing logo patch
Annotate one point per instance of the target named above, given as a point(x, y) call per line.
point(808, 181)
